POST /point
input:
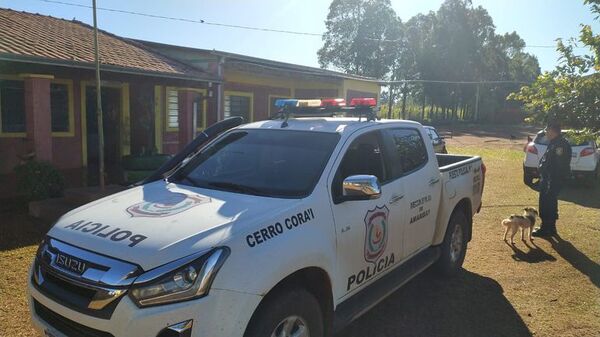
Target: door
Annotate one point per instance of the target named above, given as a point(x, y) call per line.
point(111, 111)
point(368, 232)
point(414, 163)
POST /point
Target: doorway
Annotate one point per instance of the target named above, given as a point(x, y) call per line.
point(111, 111)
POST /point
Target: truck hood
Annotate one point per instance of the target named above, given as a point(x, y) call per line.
point(160, 222)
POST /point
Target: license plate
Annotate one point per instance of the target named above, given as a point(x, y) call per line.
point(70, 263)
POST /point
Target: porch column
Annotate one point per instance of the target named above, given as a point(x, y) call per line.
point(186, 118)
point(38, 118)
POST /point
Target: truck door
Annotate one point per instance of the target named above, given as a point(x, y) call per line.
point(368, 231)
point(413, 161)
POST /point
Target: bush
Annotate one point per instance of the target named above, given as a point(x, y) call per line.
point(38, 180)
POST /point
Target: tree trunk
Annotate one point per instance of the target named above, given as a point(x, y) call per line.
point(404, 92)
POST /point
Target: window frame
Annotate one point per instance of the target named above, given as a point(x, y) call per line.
point(250, 95)
point(13, 134)
point(70, 108)
point(337, 199)
point(203, 92)
point(389, 150)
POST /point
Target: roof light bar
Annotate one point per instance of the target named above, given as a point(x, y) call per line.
point(333, 102)
point(288, 102)
point(363, 102)
point(309, 103)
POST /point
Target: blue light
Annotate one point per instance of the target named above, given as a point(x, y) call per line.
point(289, 102)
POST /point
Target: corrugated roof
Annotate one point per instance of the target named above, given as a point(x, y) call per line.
point(35, 37)
point(265, 63)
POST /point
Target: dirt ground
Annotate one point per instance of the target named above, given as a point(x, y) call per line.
point(543, 288)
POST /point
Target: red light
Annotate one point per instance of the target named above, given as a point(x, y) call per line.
point(532, 149)
point(333, 102)
point(363, 102)
point(588, 151)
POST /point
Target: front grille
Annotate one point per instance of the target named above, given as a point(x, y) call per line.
point(65, 325)
point(71, 295)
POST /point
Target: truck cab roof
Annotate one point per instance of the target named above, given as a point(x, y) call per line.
point(341, 125)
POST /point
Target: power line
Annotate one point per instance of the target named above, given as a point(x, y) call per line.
point(182, 19)
point(211, 23)
point(387, 83)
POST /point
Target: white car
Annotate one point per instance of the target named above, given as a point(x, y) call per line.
point(439, 144)
point(585, 158)
point(275, 228)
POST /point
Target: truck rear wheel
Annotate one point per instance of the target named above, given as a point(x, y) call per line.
point(288, 313)
point(454, 247)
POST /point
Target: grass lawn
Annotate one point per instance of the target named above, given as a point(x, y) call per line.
point(544, 288)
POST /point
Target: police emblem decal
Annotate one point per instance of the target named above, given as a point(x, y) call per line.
point(376, 223)
point(173, 204)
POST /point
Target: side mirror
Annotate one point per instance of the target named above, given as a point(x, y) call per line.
point(361, 187)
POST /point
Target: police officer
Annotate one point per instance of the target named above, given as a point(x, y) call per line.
point(554, 168)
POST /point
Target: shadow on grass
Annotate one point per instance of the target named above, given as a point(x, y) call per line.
point(576, 258)
point(467, 305)
point(534, 254)
point(18, 229)
point(578, 193)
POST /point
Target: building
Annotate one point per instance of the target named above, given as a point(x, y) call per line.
point(155, 97)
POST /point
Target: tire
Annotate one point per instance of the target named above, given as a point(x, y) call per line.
point(454, 247)
point(294, 306)
point(527, 178)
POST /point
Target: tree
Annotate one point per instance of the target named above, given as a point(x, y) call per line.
point(570, 93)
point(358, 37)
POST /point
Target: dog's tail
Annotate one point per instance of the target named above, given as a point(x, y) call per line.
point(506, 222)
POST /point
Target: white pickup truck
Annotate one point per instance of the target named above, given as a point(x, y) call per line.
point(273, 228)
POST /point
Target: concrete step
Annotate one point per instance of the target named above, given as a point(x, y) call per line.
point(84, 195)
point(50, 210)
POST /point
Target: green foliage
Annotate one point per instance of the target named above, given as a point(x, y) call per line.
point(569, 94)
point(355, 31)
point(38, 180)
point(457, 43)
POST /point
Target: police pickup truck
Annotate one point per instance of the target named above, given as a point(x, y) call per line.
point(293, 226)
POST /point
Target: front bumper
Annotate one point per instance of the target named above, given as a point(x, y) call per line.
point(221, 313)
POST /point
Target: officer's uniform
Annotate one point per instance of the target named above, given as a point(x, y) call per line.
point(554, 168)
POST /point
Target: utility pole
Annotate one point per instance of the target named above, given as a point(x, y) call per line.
point(477, 103)
point(99, 104)
point(391, 102)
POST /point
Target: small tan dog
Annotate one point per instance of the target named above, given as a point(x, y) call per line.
point(525, 222)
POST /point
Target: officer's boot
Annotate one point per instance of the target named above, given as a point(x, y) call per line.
point(547, 229)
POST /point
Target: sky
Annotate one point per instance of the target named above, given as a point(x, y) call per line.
point(538, 22)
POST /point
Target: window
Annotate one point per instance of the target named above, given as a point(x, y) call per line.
point(12, 106)
point(59, 107)
point(172, 109)
point(364, 156)
point(272, 163)
point(407, 151)
point(236, 105)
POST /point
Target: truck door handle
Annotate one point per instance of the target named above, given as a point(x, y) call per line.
point(395, 198)
point(434, 181)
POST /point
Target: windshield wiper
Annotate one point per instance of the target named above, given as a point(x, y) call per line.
point(236, 187)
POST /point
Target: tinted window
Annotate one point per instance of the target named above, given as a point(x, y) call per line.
point(59, 107)
point(364, 156)
point(262, 162)
point(12, 106)
point(407, 151)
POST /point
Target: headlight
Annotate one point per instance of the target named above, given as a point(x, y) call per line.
point(181, 280)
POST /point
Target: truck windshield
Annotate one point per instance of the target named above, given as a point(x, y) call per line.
point(273, 163)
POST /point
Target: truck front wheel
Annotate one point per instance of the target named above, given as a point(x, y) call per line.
point(288, 313)
point(454, 246)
